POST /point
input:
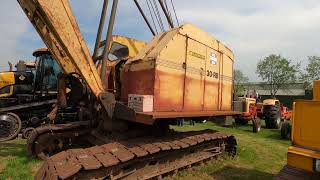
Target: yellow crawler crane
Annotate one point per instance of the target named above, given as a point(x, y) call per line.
point(303, 161)
point(121, 103)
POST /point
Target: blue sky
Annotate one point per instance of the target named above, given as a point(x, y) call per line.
point(253, 29)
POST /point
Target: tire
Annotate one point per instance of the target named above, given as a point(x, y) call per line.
point(256, 125)
point(241, 121)
point(26, 133)
point(286, 130)
point(276, 121)
point(272, 117)
point(273, 123)
point(13, 124)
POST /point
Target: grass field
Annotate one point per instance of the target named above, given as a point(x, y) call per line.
point(260, 156)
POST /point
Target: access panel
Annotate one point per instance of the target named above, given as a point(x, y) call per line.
point(195, 76)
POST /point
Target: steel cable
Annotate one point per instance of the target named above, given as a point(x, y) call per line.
point(151, 14)
point(159, 15)
point(174, 10)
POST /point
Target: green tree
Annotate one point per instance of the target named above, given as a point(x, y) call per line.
point(311, 72)
point(278, 72)
point(239, 80)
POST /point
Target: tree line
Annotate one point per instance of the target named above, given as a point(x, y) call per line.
point(278, 72)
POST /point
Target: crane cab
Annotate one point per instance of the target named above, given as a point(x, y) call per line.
point(46, 73)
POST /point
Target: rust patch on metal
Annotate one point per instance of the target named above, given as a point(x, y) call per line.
point(162, 146)
point(87, 160)
point(137, 82)
point(168, 91)
point(189, 141)
point(119, 151)
point(107, 159)
point(150, 148)
point(65, 164)
point(167, 115)
point(115, 157)
point(172, 145)
point(138, 151)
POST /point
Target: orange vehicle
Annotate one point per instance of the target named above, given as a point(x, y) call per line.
point(303, 157)
point(286, 124)
point(286, 113)
point(248, 107)
point(122, 110)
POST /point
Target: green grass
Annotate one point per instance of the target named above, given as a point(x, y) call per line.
point(14, 164)
point(260, 156)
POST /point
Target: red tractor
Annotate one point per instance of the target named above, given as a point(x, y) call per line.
point(286, 113)
point(249, 109)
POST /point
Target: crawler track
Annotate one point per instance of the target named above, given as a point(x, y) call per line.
point(49, 139)
point(141, 158)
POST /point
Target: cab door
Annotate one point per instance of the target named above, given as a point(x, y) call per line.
point(47, 74)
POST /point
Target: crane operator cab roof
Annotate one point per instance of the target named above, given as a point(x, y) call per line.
point(41, 51)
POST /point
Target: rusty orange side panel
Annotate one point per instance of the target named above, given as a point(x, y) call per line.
point(137, 82)
point(165, 98)
point(151, 117)
point(170, 74)
point(190, 74)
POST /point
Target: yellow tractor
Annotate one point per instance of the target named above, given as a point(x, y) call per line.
point(27, 94)
point(303, 159)
point(13, 81)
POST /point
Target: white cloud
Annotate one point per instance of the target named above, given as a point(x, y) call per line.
point(251, 28)
point(12, 27)
point(254, 29)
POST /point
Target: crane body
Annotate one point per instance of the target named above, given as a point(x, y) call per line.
point(182, 73)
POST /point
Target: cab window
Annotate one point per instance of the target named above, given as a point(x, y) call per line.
point(118, 51)
point(46, 76)
point(5, 90)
